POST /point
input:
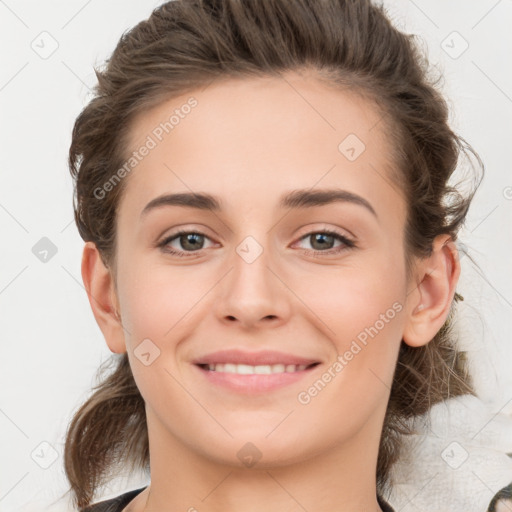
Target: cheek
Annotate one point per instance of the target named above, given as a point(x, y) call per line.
point(363, 320)
point(157, 305)
point(349, 300)
point(156, 300)
point(361, 312)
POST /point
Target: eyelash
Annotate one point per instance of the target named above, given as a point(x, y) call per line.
point(348, 243)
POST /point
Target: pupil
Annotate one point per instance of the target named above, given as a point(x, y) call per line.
point(188, 237)
point(320, 237)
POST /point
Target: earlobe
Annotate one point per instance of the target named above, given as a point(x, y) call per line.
point(102, 297)
point(429, 302)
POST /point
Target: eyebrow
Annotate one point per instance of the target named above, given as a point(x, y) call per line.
point(295, 199)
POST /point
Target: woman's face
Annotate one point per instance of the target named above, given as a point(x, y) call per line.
point(257, 277)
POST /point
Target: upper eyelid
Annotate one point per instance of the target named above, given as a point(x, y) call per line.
point(323, 226)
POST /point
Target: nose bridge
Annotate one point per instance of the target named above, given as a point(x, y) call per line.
point(251, 277)
point(251, 291)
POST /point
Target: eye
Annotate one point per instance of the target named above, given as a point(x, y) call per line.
point(190, 241)
point(193, 241)
point(322, 241)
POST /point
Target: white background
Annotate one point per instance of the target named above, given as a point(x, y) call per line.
point(51, 345)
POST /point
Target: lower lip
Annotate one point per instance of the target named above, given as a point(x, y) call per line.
point(254, 383)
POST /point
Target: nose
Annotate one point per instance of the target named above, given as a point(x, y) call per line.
point(253, 293)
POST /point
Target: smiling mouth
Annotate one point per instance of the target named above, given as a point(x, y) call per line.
point(264, 369)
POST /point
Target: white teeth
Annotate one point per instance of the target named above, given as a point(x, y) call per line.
point(245, 369)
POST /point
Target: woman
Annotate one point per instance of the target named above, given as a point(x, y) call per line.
point(270, 250)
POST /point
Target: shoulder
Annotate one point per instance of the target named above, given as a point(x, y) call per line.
point(114, 504)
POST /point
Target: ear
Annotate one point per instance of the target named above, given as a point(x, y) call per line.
point(429, 302)
point(102, 297)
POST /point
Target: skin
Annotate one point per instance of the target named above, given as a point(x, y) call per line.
point(504, 506)
point(248, 142)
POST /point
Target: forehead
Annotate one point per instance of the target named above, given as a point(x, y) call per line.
point(246, 138)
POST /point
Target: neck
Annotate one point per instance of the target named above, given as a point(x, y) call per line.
point(341, 478)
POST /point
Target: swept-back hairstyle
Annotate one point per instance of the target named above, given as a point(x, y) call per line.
point(188, 44)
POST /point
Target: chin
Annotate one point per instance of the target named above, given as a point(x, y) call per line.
point(252, 449)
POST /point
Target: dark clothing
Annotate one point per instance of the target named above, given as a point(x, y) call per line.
point(118, 503)
point(115, 504)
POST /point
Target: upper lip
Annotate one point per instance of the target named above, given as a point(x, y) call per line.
point(265, 357)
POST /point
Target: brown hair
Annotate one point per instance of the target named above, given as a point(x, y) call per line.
point(187, 44)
